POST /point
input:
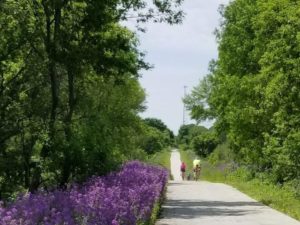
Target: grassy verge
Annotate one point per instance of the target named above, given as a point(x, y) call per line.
point(161, 158)
point(282, 198)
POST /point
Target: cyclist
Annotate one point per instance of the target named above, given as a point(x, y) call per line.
point(182, 170)
point(196, 168)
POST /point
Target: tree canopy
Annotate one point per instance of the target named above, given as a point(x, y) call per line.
point(253, 87)
point(69, 90)
point(157, 136)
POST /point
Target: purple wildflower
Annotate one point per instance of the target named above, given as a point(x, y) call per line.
point(120, 198)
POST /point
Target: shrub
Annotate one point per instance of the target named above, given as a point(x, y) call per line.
point(125, 197)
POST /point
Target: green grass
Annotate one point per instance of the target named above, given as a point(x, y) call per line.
point(214, 173)
point(161, 158)
point(282, 198)
point(278, 197)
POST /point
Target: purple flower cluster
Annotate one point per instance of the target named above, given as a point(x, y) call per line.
point(125, 197)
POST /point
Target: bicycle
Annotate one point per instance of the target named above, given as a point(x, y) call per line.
point(197, 172)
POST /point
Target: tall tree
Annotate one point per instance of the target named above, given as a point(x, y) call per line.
point(69, 94)
point(253, 87)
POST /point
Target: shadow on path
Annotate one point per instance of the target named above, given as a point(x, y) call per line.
point(196, 209)
point(178, 183)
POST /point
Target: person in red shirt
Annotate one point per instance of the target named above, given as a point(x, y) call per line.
point(182, 170)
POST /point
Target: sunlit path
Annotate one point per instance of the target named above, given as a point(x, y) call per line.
point(194, 203)
point(175, 165)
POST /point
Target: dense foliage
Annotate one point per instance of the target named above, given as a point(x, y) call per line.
point(198, 138)
point(69, 90)
point(187, 132)
point(204, 144)
point(126, 197)
point(254, 85)
point(157, 136)
point(158, 124)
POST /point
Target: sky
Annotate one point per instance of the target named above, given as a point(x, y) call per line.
point(180, 55)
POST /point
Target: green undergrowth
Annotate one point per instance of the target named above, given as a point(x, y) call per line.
point(284, 198)
point(280, 198)
point(161, 158)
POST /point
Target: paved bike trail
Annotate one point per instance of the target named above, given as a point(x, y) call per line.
point(197, 203)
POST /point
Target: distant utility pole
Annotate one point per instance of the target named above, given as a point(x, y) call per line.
point(183, 119)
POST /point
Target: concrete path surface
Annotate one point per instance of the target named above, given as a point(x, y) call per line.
point(175, 165)
point(205, 203)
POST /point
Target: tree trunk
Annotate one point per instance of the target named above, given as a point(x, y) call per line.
point(68, 131)
point(51, 45)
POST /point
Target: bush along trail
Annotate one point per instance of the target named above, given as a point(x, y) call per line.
point(124, 197)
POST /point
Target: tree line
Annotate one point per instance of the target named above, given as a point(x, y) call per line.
point(252, 90)
point(69, 89)
point(197, 138)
